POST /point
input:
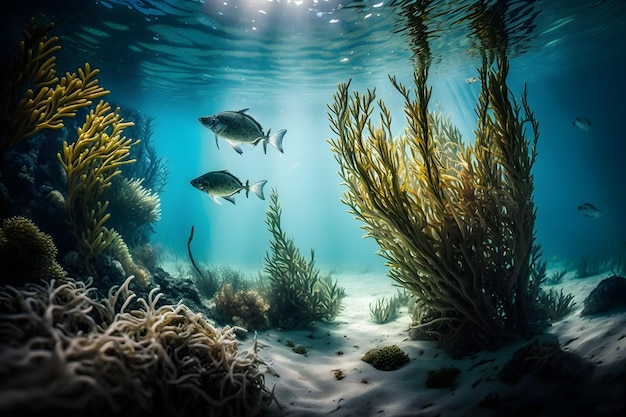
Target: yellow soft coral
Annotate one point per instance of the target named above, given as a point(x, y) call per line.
point(51, 99)
point(90, 163)
point(26, 253)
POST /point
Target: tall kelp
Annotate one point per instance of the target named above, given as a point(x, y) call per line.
point(454, 220)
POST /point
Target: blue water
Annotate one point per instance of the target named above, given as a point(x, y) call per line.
point(178, 60)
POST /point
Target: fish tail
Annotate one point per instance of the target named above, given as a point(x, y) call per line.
point(276, 140)
point(256, 188)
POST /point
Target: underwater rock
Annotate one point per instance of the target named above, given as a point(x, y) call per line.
point(442, 377)
point(388, 358)
point(111, 271)
point(300, 349)
point(180, 288)
point(610, 293)
point(545, 360)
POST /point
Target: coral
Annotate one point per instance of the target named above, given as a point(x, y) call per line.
point(454, 221)
point(297, 294)
point(91, 162)
point(50, 100)
point(133, 209)
point(119, 250)
point(149, 255)
point(442, 377)
point(387, 358)
point(244, 308)
point(26, 253)
point(63, 351)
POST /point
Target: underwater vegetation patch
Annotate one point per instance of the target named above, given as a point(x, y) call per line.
point(298, 295)
point(454, 220)
point(37, 100)
point(384, 309)
point(443, 377)
point(44, 100)
point(63, 350)
point(387, 358)
point(26, 253)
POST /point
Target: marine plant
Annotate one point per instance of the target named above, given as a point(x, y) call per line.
point(245, 308)
point(591, 264)
point(63, 350)
point(133, 209)
point(33, 96)
point(557, 305)
point(386, 358)
point(454, 220)
point(298, 295)
point(618, 266)
point(26, 253)
point(556, 277)
point(149, 165)
point(384, 309)
point(91, 162)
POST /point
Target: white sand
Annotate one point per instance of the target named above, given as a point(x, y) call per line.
point(305, 385)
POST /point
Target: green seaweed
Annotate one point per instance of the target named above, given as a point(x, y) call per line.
point(297, 293)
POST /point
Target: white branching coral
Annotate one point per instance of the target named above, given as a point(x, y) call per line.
point(61, 350)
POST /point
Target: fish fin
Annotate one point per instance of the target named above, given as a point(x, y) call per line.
point(229, 198)
point(265, 140)
point(242, 111)
point(256, 188)
point(276, 140)
point(235, 146)
point(215, 199)
point(216, 142)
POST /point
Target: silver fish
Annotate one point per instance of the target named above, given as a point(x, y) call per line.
point(582, 123)
point(589, 210)
point(237, 127)
point(471, 80)
point(225, 185)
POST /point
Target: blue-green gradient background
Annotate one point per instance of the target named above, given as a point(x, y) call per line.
point(179, 60)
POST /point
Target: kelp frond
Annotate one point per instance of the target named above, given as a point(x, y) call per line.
point(453, 221)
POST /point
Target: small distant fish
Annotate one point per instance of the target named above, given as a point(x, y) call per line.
point(589, 210)
point(226, 185)
point(237, 127)
point(471, 80)
point(582, 123)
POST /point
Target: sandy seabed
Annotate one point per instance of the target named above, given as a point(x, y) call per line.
point(306, 384)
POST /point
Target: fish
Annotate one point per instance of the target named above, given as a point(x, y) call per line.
point(582, 123)
point(225, 185)
point(471, 80)
point(237, 127)
point(589, 210)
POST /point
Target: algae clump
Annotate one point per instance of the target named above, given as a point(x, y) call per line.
point(388, 358)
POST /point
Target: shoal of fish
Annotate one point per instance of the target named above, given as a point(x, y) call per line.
point(236, 128)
